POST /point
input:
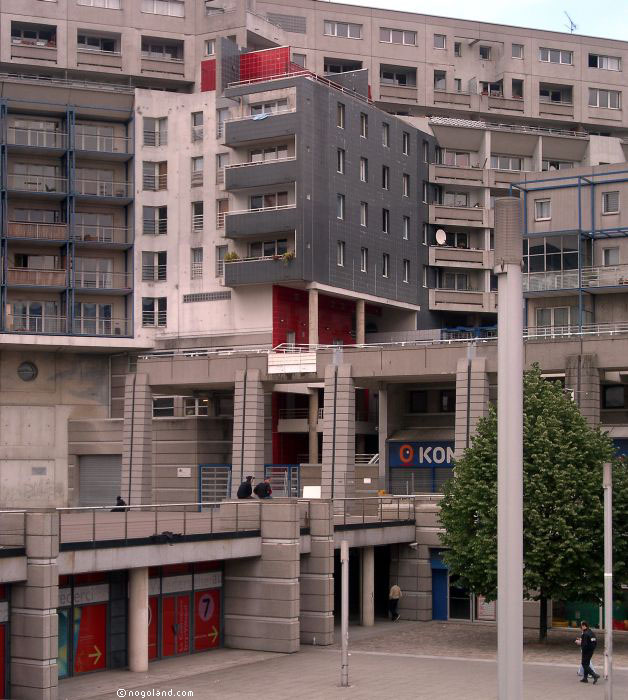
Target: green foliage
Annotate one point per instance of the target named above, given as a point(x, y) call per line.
point(563, 502)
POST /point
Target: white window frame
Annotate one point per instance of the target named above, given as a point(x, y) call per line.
point(196, 263)
point(537, 206)
point(364, 169)
point(156, 5)
point(519, 52)
point(210, 47)
point(385, 220)
point(102, 4)
point(489, 50)
point(340, 253)
point(609, 197)
point(509, 166)
point(604, 59)
point(364, 125)
point(405, 143)
point(405, 185)
point(364, 214)
point(330, 28)
point(386, 134)
point(596, 93)
point(385, 264)
point(406, 271)
point(444, 42)
point(340, 160)
point(340, 115)
point(340, 206)
point(545, 56)
point(403, 32)
point(364, 259)
point(385, 177)
point(406, 228)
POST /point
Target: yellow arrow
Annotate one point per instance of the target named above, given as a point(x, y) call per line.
point(213, 634)
point(96, 655)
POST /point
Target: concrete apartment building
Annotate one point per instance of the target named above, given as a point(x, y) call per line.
point(185, 186)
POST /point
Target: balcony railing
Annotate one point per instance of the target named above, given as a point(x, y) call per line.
point(37, 138)
point(220, 176)
point(37, 183)
point(102, 326)
point(154, 318)
point(154, 273)
point(85, 233)
point(607, 276)
point(103, 188)
point(102, 144)
point(259, 162)
point(36, 278)
point(153, 183)
point(37, 231)
point(257, 210)
point(196, 179)
point(156, 138)
point(591, 277)
point(155, 227)
point(220, 219)
point(197, 222)
point(85, 279)
point(265, 114)
point(21, 323)
point(84, 84)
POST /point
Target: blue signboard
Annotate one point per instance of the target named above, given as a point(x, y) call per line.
point(428, 454)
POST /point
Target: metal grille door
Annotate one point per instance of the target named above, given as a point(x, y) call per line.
point(99, 479)
point(284, 479)
point(214, 482)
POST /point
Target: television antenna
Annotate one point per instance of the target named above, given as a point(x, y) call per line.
point(572, 25)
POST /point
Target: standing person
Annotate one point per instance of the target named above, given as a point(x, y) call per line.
point(245, 489)
point(263, 489)
point(587, 643)
point(393, 601)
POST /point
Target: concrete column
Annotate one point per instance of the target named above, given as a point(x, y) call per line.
point(262, 593)
point(317, 578)
point(137, 441)
point(382, 434)
point(248, 428)
point(360, 322)
point(34, 624)
point(338, 462)
point(583, 378)
point(471, 399)
point(311, 426)
point(367, 586)
point(138, 620)
point(313, 317)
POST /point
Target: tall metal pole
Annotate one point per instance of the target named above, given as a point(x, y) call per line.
point(508, 254)
point(344, 613)
point(608, 580)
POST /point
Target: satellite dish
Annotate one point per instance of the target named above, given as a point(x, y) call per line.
point(441, 237)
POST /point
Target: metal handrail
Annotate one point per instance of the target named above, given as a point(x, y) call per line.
point(49, 80)
point(259, 209)
point(259, 162)
point(101, 143)
point(90, 233)
point(36, 230)
point(97, 279)
point(470, 123)
point(37, 183)
point(51, 138)
point(103, 188)
point(254, 116)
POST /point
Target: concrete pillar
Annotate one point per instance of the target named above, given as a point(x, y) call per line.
point(360, 322)
point(262, 593)
point(138, 620)
point(382, 434)
point(313, 317)
point(338, 462)
point(583, 378)
point(317, 578)
point(312, 423)
point(34, 625)
point(248, 428)
point(367, 586)
point(471, 399)
point(137, 441)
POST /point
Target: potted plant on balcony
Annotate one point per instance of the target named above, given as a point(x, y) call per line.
point(288, 256)
point(231, 256)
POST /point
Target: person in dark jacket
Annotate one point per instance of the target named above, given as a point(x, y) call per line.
point(245, 489)
point(120, 503)
point(587, 644)
point(263, 489)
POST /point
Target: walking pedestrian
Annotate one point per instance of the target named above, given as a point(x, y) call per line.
point(245, 490)
point(587, 643)
point(263, 489)
point(393, 601)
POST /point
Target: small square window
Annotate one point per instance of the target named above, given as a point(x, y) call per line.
point(610, 202)
point(611, 256)
point(542, 210)
point(485, 53)
point(614, 397)
point(517, 50)
point(440, 41)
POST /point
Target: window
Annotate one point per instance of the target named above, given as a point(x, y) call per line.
point(197, 216)
point(455, 199)
point(604, 62)
point(364, 214)
point(222, 209)
point(457, 159)
point(340, 160)
point(610, 99)
point(425, 276)
point(610, 202)
point(340, 206)
point(517, 51)
point(222, 160)
point(340, 115)
point(447, 400)
point(273, 107)
point(405, 185)
point(385, 264)
point(457, 239)
point(391, 75)
point(33, 35)
point(542, 210)
point(425, 193)
point(610, 256)
point(154, 266)
point(556, 317)
point(340, 253)
point(162, 49)
point(154, 176)
point(299, 59)
point(196, 263)
point(197, 171)
point(221, 251)
point(385, 134)
point(268, 249)
point(457, 49)
point(406, 271)
point(385, 220)
point(425, 234)
point(364, 170)
point(364, 259)
point(340, 65)
point(155, 131)
point(364, 125)
point(172, 8)
point(506, 163)
point(385, 177)
point(406, 228)
point(405, 143)
point(100, 44)
point(613, 397)
point(154, 220)
point(347, 30)
point(197, 126)
point(440, 80)
point(492, 89)
point(517, 89)
point(272, 200)
point(557, 164)
point(154, 311)
point(210, 47)
point(553, 254)
point(440, 41)
point(556, 56)
point(163, 406)
point(397, 36)
point(426, 152)
point(556, 93)
point(105, 4)
point(458, 84)
point(418, 402)
point(458, 281)
point(195, 407)
point(260, 155)
point(485, 53)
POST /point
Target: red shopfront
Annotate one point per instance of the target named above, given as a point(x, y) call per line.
point(185, 609)
point(4, 641)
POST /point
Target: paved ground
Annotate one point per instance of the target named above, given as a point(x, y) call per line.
point(401, 661)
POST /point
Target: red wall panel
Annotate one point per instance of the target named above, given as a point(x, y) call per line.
point(208, 75)
point(290, 313)
point(335, 320)
point(264, 64)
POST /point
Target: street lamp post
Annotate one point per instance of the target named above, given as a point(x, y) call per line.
point(508, 255)
point(608, 580)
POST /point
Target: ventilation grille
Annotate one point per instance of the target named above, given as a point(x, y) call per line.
point(206, 296)
point(289, 23)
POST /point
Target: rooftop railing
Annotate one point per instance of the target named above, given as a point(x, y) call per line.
point(517, 128)
point(64, 82)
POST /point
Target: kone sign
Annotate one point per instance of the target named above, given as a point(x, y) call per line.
point(420, 454)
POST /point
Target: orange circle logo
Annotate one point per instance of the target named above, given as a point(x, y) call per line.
point(406, 453)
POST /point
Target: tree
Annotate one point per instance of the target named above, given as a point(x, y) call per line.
point(563, 504)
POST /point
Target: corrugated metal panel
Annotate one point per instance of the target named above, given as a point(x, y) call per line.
point(99, 479)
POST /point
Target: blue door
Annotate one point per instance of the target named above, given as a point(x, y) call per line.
point(439, 594)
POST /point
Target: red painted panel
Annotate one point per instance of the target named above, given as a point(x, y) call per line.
point(3, 661)
point(183, 624)
point(91, 577)
point(335, 320)
point(176, 569)
point(207, 566)
point(3, 592)
point(168, 629)
point(208, 75)
point(264, 64)
point(290, 313)
point(206, 619)
point(90, 638)
point(153, 614)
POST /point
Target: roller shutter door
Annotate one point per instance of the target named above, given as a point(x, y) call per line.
point(99, 479)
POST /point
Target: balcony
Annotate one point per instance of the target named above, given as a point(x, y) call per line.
point(36, 138)
point(94, 143)
point(507, 104)
point(402, 93)
point(459, 216)
point(261, 271)
point(454, 175)
point(29, 277)
point(115, 282)
point(98, 59)
point(18, 323)
point(444, 256)
point(558, 109)
point(45, 184)
point(34, 49)
point(455, 98)
point(171, 66)
point(504, 178)
point(110, 236)
point(592, 279)
point(462, 300)
point(252, 129)
point(120, 327)
point(250, 223)
point(97, 189)
point(269, 172)
point(37, 232)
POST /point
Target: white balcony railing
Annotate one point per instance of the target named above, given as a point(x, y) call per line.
point(37, 183)
point(102, 144)
point(22, 323)
point(259, 162)
point(196, 179)
point(257, 210)
point(197, 133)
point(103, 188)
point(153, 183)
point(606, 276)
point(156, 138)
point(154, 273)
point(102, 234)
point(83, 325)
point(154, 318)
point(36, 138)
point(86, 279)
point(197, 222)
point(220, 219)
